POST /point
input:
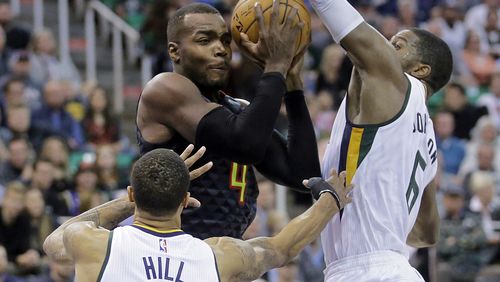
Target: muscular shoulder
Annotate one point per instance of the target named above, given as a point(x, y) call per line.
point(168, 88)
point(85, 238)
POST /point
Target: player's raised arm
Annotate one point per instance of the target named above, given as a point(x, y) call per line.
point(247, 260)
point(369, 51)
point(288, 161)
point(176, 102)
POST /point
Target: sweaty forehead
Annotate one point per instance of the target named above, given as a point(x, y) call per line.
point(406, 35)
point(204, 22)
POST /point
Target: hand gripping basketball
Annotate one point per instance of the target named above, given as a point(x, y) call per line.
point(335, 185)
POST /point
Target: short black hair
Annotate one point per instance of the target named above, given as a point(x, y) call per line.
point(160, 180)
point(434, 52)
point(176, 22)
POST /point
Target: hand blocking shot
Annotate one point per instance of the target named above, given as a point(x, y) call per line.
point(155, 248)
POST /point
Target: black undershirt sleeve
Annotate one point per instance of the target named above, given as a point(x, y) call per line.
point(290, 161)
point(244, 137)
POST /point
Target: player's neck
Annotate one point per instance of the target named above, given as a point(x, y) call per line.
point(163, 223)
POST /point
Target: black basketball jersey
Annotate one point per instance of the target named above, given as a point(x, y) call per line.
point(227, 192)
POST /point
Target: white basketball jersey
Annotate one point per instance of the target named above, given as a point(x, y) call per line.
point(390, 165)
point(140, 253)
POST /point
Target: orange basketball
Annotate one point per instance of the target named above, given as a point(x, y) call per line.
point(244, 20)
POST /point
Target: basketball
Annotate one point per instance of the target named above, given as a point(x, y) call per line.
point(244, 20)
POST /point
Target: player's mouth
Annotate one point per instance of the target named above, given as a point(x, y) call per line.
point(219, 67)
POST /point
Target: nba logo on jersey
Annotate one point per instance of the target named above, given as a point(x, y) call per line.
point(163, 245)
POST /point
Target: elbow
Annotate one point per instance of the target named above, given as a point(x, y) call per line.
point(47, 246)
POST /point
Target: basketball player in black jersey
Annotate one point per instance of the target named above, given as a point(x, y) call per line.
point(186, 106)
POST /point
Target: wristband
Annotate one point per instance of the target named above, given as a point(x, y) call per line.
point(320, 186)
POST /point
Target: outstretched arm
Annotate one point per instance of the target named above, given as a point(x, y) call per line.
point(247, 260)
point(108, 215)
point(378, 72)
point(425, 232)
point(288, 161)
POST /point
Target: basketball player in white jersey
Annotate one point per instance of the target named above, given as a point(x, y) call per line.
point(383, 137)
point(155, 249)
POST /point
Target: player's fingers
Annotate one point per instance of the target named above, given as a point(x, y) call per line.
point(305, 182)
point(291, 16)
point(245, 41)
point(260, 18)
point(349, 189)
point(200, 171)
point(275, 13)
point(195, 157)
point(342, 177)
point(193, 203)
point(187, 151)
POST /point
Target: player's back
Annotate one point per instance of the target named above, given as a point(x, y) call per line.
point(390, 165)
point(141, 253)
point(228, 192)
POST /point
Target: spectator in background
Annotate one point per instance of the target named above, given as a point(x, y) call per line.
point(44, 64)
point(461, 240)
point(329, 75)
point(53, 119)
point(407, 13)
point(13, 93)
point(4, 264)
point(477, 16)
point(311, 262)
point(41, 221)
point(485, 132)
point(20, 66)
point(58, 272)
point(154, 35)
point(452, 30)
point(483, 202)
point(17, 36)
point(76, 103)
point(452, 148)
point(18, 123)
point(465, 114)
point(4, 54)
point(54, 193)
point(490, 34)
point(100, 126)
point(55, 150)
point(110, 177)
point(492, 100)
point(18, 166)
point(85, 194)
point(480, 64)
point(15, 229)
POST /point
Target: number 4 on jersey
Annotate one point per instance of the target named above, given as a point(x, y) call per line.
point(413, 189)
point(238, 180)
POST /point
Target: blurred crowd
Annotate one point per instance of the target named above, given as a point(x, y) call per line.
point(62, 150)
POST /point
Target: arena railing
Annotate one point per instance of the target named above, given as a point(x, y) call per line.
point(110, 23)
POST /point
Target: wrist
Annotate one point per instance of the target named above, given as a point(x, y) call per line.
point(277, 67)
point(333, 195)
point(294, 83)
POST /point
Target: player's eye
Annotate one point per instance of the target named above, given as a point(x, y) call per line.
point(203, 41)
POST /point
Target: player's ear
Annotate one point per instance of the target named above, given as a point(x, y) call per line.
point(186, 200)
point(130, 192)
point(421, 71)
point(173, 52)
